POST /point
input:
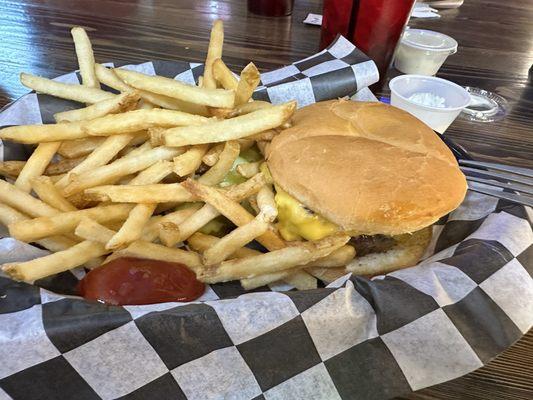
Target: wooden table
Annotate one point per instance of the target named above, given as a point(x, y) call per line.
point(495, 52)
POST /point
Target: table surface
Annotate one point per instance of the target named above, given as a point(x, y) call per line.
point(495, 52)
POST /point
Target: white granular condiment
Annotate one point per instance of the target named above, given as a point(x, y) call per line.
point(428, 99)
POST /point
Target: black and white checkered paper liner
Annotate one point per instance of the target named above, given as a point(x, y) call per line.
point(358, 338)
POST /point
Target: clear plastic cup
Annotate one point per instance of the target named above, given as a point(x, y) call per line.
point(423, 52)
point(439, 119)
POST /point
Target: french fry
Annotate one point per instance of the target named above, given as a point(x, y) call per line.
point(248, 170)
point(55, 178)
point(298, 278)
point(264, 279)
point(145, 105)
point(266, 203)
point(214, 51)
point(100, 156)
point(11, 169)
point(188, 162)
point(339, 258)
point(9, 215)
point(89, 229)
point(137, 120)
point(153, 174)
point(265, 135)
point(208, 212)
point(250, 78)
point(249, 107)
point(22, 201)
point(327, 275)
point(225, 161)
point(155, 251)
point(31, 134)
point(294, 276)
point(173, 104)
point(67, 91)
point(108, 77)
point(135, 151)
point(230, 129)
point(220, 113)
point(150, 230)
point(246, 189)
point(79, 147)
point(211, 157)
point(236, 239)
point(124, 101)
point(47, 192)
point(178, 90)
point(118, 169)
point(155, 193)
point(64, 260)
point(57, 224)
point(253, 203)
point(262, 145)
point(192, 224)
point(278, 260)
point(156, 135)
point(231, 210)
point(168, 225)
point(180, 215)
point(133, 227)
point(245, 143)
point(301, 280)
point(84, 52)
point(167, 232)
point(202, 242)
point(79, 202)
point(223, 75)
point(62, 166)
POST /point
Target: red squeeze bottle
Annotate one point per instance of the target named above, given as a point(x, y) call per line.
point(271, 8)
point(336, 17)
point(374, 26)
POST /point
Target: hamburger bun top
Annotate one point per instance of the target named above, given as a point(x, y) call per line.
point(368, 167)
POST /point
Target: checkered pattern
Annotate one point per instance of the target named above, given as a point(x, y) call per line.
point(469, 299)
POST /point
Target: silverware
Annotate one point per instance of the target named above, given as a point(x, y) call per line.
point(516, 183)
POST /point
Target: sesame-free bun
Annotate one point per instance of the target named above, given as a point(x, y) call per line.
point(368, 167)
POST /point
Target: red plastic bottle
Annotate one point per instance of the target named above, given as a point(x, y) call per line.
point(374, 26)
point(271, 8)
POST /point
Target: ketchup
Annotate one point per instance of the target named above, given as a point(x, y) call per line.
point(130, 280)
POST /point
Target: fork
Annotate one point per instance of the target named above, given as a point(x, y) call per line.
point(516, 182)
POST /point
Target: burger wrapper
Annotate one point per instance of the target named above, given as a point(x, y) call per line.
point(468, 300)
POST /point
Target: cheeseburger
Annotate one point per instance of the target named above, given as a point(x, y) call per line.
point(368, 169)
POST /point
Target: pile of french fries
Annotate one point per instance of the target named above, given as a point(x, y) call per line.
point(139, 174)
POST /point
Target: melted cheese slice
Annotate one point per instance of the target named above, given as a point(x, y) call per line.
point(296, 222)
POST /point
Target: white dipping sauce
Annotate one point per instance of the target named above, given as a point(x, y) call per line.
point(428, 99)
point(423, 52)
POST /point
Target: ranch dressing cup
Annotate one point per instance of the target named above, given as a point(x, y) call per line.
point(434, 101)
point(423, 52)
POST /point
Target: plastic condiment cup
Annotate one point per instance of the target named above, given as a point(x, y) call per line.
point(423, 52)
point(437, 118)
